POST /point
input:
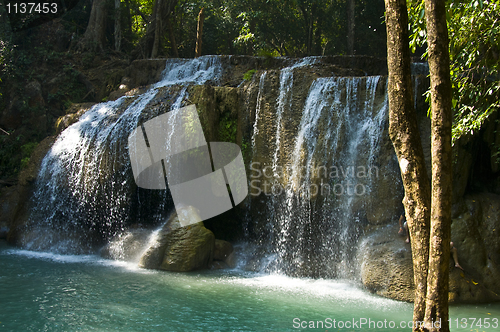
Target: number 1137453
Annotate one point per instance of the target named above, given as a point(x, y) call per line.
point(32, 7)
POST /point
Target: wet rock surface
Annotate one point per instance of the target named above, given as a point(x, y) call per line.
point(386, 265)
point(179, 248)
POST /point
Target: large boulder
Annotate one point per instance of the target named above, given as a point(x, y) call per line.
point(386, 264)
point(181, 248)
point(224, 256)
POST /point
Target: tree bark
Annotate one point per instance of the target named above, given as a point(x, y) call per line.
point(199, 32)
point(405, 137)
point(158, 28)
point(95, 35)
point(118, 26)
point(171, 35)
point(439, 252)
point(127, 26)
point(351, 5)
point(150, 44)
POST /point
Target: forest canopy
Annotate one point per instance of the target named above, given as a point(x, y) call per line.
point(253, 27)
point(140, 29)
point(474, 33)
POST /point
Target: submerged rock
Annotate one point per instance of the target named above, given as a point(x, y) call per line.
point(181, 248)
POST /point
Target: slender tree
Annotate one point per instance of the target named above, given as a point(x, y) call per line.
point(118, 26)
point(439, 252)
point(157, 28)
point(351, 5)
point(172, 37)
point(405, 137)
point(199, 32)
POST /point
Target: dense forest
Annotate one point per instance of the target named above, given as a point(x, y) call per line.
point(49, 61)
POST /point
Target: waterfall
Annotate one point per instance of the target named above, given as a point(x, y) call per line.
point(324, 167)
point(83, 191)
point(285, 101)
point(318, 216)
point(257, 109)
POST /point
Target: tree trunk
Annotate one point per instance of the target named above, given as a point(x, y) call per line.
point(439, 252)
point(95, 35)
point(127, 28)
point(317, 37)
point(158, 28)
point(405, 137)
point(171, 35)
point(118, 26)
point(309, 25)
point(199, 32)
point(350, 26)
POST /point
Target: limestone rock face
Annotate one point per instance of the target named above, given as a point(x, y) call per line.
point(386, 265)
point(9, 199)
point(3, 233)
point(181, 249)
point(475, 235)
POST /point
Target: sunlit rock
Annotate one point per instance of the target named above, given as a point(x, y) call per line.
point(386, 264)
point(179, 248)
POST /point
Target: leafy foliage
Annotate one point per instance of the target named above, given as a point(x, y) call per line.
point(49, 54)
point(26, 151)
point(249, 74)
point(474, 32)
point(227, 129)
point(257, 27)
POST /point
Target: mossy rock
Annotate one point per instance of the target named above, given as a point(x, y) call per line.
point(181, 249)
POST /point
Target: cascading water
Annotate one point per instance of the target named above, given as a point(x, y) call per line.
point(83, 192)
point(262, 80)
point(317, 218)
point(316, 138)
point(285, 102)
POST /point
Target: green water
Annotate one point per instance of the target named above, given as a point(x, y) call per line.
point(48, 292)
